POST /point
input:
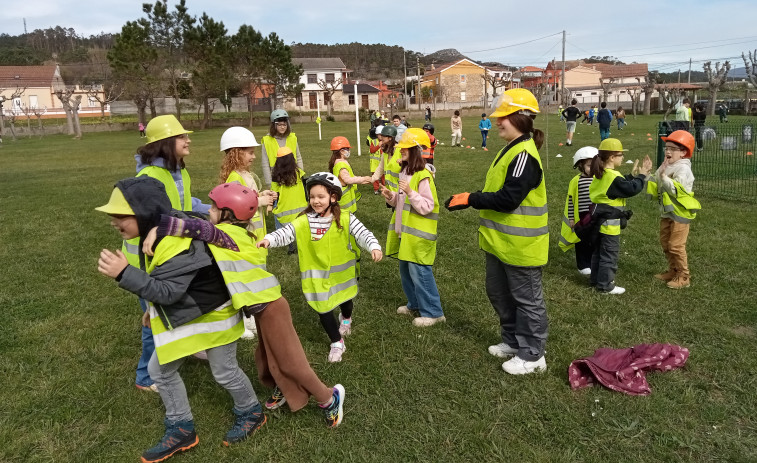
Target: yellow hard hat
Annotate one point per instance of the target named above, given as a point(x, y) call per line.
point(516, 100)
point(163, 127)
point(414, 137)
point(117, 204)
point(611, 144)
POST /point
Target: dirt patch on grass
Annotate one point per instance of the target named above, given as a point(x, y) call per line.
point(744, 331)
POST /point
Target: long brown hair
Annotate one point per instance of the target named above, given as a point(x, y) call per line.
point(285, 171)
point(166, 149)
point(232, 161)
point(336, 209)
point(275, 133)
point(599, 161)
point(415, 162)
point(525, 125)
point(335, 156)
point(390, 146)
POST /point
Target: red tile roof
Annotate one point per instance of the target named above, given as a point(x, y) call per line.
point(27, 76)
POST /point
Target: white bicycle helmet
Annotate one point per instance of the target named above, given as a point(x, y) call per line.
point(326, 179)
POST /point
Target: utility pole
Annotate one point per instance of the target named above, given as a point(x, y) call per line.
point(418, 78)
point(679, 76)
point(689, 70)
point(562, 77)
point(404, 82)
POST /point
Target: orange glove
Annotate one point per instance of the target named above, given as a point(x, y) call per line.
point(457, 202)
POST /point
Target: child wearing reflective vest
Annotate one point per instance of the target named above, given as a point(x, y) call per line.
point(412, 230)
point(374, 154)
point(340, 167)
point(577, 208)
point(428, 153)
point(389, 167)
point(279, 357)
point(609, 191)
point(190, 311)
point(287, 183)
point(325, 235)
point(238, 145)
point(672, 185)
point(279, 134)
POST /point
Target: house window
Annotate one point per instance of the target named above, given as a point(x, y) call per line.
point(351, 100)
point(437, 80)
point(578, 94)
point(462, 96)
point(298, 99)
point(16, 104)
point(330, 77)
point(364, 102)
point(32, 101)
point(462, 78)
point(496, 75)
point(622, 91)
point(312, 78)
point(92, 101)
point(593, 93)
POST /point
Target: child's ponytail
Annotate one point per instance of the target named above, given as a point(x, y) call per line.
point(598, 164)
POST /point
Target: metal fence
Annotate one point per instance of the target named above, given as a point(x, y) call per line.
point(724, 164)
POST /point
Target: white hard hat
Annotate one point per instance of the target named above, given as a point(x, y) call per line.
point(587, 152)
point(237, 137)
point(379, 128)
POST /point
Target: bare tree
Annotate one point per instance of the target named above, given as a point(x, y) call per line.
point(12, 125)
point(109, 94)
point(671, 96)
point(75, 104)
point(39, 112)
point(606, 84)
point(715, 81)
point(648, 87)
point(496, 82)
point(12, 118)
point(65, 99)
point(329, 89)
point(28, 113)
point(634, 92)
point(751, 74)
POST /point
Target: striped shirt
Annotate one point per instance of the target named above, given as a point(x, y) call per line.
point(584, 202)
point(319, 226)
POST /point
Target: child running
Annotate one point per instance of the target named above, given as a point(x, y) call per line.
point(577, 205)
point(609, 191)
point(340, 167)
point(673, 186)
point(287, 183)
point(190, 310)
point(428, 153)
point(279, 357)
point(327, 259)
point(412, 230)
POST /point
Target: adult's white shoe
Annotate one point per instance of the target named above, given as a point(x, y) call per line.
point(502, 350)
point(428, 321)
point(518, 366)
point(585, 271)
point(403, 310)
point(617, 290)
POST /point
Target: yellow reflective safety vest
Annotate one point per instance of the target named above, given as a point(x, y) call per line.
point(392, 169)
point(291, 200)
point(350, 195)
point(257, 223)
point(418, 240)
point(682, 208)
point(327, 266)
point(374, 157)
point(272, 147)
point(215, 328)
point(598, 195)
point(130, 248)
point(519, 237)
point(568, 238)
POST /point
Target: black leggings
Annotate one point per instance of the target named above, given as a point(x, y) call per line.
point(330, 324)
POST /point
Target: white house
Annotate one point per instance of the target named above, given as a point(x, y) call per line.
point(330, 71)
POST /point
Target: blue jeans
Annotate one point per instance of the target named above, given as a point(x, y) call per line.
point(484, 135)
point(604, 133)
point(621, 123)
point(148, 347)
point(420, 288)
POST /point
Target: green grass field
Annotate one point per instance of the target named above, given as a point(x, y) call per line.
point(70, 337)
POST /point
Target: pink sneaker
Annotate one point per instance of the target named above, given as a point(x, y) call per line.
point(345, 325)
point(337, 349)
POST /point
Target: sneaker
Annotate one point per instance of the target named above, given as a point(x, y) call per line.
point(404, 310)
point(179, 437)
point(345, 325)
point(585, 271)
point(666, 276)
point(518, 366)
point(486, 149)
point(337, 349)
point(502, 350)
point(244, 425)
point(428, 321)
point(151, 388)
point(335, 410)
point(277, 399)
point(679, 282)
point(616, 290)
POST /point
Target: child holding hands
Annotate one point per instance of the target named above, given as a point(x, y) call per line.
point(577, 205)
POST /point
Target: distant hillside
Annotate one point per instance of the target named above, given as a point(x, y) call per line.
point(443, 56)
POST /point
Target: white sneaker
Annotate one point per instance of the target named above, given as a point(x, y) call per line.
point(403, 310)
point(248, 335)
point(428, 321)
point(337, 349)
point(345, 325)
point(249, 324)
point(585, 271)
point(518, 366)
point(617, 290)
point(502, 350)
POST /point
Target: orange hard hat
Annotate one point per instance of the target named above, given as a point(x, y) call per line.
point(684, 139)
point(338, 143)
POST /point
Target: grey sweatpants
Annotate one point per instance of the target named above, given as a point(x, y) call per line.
point(226, 371)
point(604, 262)
point(517, 296)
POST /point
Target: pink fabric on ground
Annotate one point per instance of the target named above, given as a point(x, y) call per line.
point(624, 370)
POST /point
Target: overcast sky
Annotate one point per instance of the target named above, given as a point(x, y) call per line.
point(652, 31)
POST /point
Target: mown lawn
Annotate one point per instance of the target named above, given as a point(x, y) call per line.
point(70, 337)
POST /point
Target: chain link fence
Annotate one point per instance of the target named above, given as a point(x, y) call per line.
point(724, 163)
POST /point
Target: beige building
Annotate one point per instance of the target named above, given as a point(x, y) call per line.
point(24, 88)
point(459, 82)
